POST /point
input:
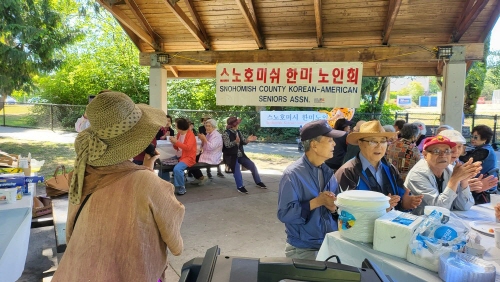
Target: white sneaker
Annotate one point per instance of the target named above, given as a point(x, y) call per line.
point(196, 181)
point(202, 181)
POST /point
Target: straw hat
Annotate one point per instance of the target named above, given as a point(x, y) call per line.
point(119, 130)
point(205, 117)
point(369, 129)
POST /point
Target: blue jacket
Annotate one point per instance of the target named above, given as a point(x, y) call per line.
point(298, 185)
point(352, 176)
point(490, 162)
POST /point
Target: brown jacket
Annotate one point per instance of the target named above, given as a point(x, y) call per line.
point(124, 229)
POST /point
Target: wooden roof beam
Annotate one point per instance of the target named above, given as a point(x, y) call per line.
point(399, 54)
point(491, 23)
point(319, 22)
point(252, 24)
point(469, 14)
point(196, 18)
point(392, 13)
point(144, 23)
point(126, 21)
point(194, 30)
point(133, 37)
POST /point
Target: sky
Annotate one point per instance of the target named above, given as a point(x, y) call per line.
point(495, 37)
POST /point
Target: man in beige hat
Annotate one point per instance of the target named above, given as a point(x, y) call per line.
point(370, 171)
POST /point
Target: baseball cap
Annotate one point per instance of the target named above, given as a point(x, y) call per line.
point(317, 128)
point(436, 140)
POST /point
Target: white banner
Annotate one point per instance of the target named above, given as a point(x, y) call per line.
point(290, 84)
point(289, 118)
point(403, 100)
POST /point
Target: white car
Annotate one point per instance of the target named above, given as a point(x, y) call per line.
point(10, 101)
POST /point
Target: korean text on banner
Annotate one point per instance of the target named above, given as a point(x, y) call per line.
point(333, 84)
point(289, 118)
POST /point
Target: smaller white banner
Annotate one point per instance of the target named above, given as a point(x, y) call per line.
point(403, 100)
point(289, 118)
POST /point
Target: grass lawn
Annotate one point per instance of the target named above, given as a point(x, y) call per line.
point(15, 115)
point(53, 154)
point(58, 153)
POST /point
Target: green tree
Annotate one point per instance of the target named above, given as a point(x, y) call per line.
point(414, 89)
point(433, 85)
point(31, 35)
point(104, 59)
point(474, 81)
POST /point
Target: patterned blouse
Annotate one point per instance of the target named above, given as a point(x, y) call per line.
point(403, 154)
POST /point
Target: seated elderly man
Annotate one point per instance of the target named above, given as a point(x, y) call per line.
point(211, 145)
point(440, 183)
point(370, 171)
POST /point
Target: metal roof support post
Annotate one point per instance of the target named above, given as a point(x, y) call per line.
point(452, 102)
point(157, 84)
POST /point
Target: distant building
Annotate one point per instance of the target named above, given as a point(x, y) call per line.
point(495, 99)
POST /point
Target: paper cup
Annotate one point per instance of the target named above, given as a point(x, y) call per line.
point(497, 237)
point(494, 199)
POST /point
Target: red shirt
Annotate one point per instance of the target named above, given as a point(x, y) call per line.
point(188, 148)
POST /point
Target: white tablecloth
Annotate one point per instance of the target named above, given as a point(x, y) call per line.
point(353, 253)
point(15, 224)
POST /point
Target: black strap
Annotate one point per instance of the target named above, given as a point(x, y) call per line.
point(439, 181)
point(80, 209)
point(373, 181)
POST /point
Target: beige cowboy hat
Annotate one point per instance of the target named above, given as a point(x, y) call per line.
point(119, 130)
point(369, 129)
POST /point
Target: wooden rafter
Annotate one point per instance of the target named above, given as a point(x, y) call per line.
point(392, 13)
point(174, 71)
point(191, 27)
point(319, 22)
point(469, 14)
point(144, 23)
point(252, 24)
point(196, 18)
point(126, 21)
point(491, 23)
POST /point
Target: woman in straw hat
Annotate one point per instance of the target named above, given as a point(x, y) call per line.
point(121, 217)
point(370, 171)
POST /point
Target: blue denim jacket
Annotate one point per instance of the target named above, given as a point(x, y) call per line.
point(300, 184)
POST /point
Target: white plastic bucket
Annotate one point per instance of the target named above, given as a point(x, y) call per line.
point(358, 210)
point(10, 194)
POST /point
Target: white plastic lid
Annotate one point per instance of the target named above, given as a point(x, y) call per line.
point(362, 195)
point(429, 209)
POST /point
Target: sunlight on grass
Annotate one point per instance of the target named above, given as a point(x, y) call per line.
point(17, 109)
point(53, 153)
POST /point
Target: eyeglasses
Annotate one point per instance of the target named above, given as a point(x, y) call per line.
point(438, 152)
point(476, 137)
point(373, 143)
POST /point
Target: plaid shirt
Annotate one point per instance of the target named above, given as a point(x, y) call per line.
point(403, 154)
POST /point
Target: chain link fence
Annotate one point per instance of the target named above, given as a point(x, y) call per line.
point(63, 117)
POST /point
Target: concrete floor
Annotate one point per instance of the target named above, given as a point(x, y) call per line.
point(216, 214)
